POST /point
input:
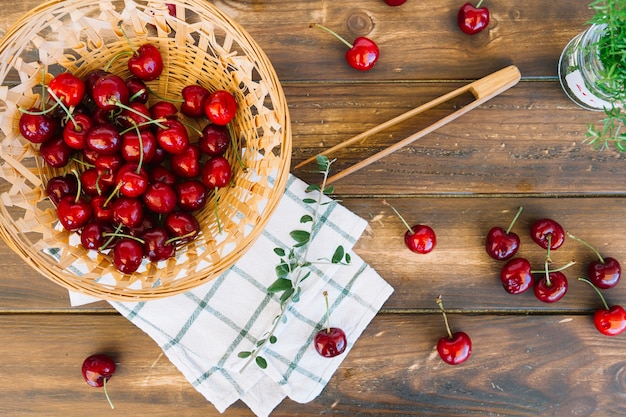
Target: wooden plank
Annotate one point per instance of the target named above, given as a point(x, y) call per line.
point(542, 366)
point(459, 267)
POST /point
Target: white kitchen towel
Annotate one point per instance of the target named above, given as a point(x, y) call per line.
point(203, 330)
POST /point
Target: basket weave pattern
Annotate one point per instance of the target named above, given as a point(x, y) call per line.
point(199, 45)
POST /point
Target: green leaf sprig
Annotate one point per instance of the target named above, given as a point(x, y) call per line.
point(293, 266)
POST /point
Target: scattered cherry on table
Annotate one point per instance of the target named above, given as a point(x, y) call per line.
point(97, 369)
point(610, 320)
point(454, 348)
point(362, 54)
point(604, 272)
point(419, 238)
point(473, 19)
point(503, 244)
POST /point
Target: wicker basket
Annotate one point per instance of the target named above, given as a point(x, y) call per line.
point(200, 44)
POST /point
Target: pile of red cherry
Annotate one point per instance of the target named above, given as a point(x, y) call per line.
point(141, 177)
point(551, 285)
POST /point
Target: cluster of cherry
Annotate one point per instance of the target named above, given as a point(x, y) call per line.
point(133, 178)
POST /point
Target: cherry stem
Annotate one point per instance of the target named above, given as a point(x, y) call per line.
point(216, 208)
point(106, 393)
point(140, 164)
point(235, 146)
point(606, 306)
point(445, 317)
point(478, 4)
point(325, 293)
point(138, 113)
point(127, 38)
point(588, 245)
point(176, 238)
point(567, 265)
point(519, 211)
point(399, 215)
point(548, 282)
point(107, 68)
point(332, 32)
point(117, 234)
point(39, 113)
point(79, 189)
point(114, 192)
point(549, 248)
point(111, 238)
point(146, 123)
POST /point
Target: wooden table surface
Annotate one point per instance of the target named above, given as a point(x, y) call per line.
point(522, 148)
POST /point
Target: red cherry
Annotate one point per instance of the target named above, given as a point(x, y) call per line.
point(160, 198)
point(220, 107)
point(37, 128)
point(551, 288)
point(194, 97)
point(92, 183)
point(503, 244)
point(182, 225)
point(192, 195)
point(216, 173)
point(146, 63)
point(163, 110)
point(604, 273)
point(108, 166)
point(92, 235)
point(136, 114)
point(173, 139)
point(547, 232)
point(97, 370)
point(68, 88)
point(131, 180)
point(73, 213)
point(137, 90)
point(156, 244)
point(55, 152)
point(160, 173)
point(102, 209)
point(516, 276)
point(76, 129)
point(610, 321)
point(214, 140)
point(330, 341)
point(110, 90)
point(363, 53)
point(61, 186)
point(104, 139)
point(132, 144)
point(127, 211)
point(473, 19)
point(127, 255)
point(187, 163)
point(455, 348)
point(418, 238)
point(395, 2)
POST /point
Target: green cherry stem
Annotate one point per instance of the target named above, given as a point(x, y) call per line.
point(325, 293)
point(606, 306)
point(445, 316)
point(588, 245)
point(332, 32)
point(478, 4)
point(519, 211)
point(106, 393)
point(399, 215)
point(111, 238)
point(541, 271)
point(216, 208)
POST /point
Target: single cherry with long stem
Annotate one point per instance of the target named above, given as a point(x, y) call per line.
point(455, 348)
point(330, 341)
point(604, 272)
point(610, 321)
point(97, 369)
point(419, 238)
point(503, 244)
point(363, 52)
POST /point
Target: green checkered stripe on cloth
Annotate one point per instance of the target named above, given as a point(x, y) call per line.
point(203, 330)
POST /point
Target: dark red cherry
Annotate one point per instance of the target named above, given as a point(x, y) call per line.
point(216, 173)
point(68, 88)
point(156, 244)
point(192, 195)
point(544, 230)
point(160, 173)
point(160, 198)
point(102, 209)
point(503, 244)
point(214, 140)
point(76, 129)
point(61, 186)
point(104, 138)
point(91, 78)
point(605, 274)
point(108, 166)
point(194, 96)
point(92, 234)
point(128, 211)
point(552, 288)
point(146, 63)
point(135, 114)
point(187, 163)
point(110, 90)
point(97, 370)
point(92, 183)
point(37, 128)
point(55, 152)
point(182, 225)
point(516, 276)
point(173, 139)
point(137, 90)
point(127, 255)
point(330, 342)
point(73, 213)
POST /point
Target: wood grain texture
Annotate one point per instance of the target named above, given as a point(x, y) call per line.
point(522, 148)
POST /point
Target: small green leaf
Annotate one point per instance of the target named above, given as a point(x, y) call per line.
point(306, 218)
point(244, 354)
point(261, 362)
point(338, 255)
point(309, 200)
point(281, 284)
point(273, 339)
point(282, 270)
point(300, 236)
point(305, 276)
point(260, 342)
point(329, 190)
point(348, 258)
point(322, 162)
point(279, 251)
point(312, 187)
point(285, 296)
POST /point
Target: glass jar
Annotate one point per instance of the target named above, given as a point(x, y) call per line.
point(580, 68)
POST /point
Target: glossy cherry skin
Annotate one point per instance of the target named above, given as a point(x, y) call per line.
point(139, 116)
point(156, 245)
point(456, 350)
point(37, 128)
point(330, 342)
point(542, 228)
point(605, 274)
point(610, 322)
point(220, 107)
point(173, 139)
point(61, 186)
point(127, 255)
point(101, 212)
point(182, 225)
point(146, 63)
point(160, 198)
point(192, 195)
point(92, 183)
point(501, 245)
point(422, 239)
point(160, 173)
point(214, 140)
point(73, 214)
point(68, 88)
point(91, 235)
point(163, 110)
point(137, 90)
point(472, 20)
point(395, 2)
point(76, 129)
point(552, 292)
point(516, 276)
point(128, 212)
point(104, 138)
point(55, 152)
point(132, 180)
point(216, 173)
point(187, 163)
point(96, 368)
point(108, 167)
point(133, 144)
point(363, 54)
point(110, 90)
point(194, 97)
